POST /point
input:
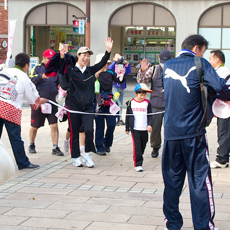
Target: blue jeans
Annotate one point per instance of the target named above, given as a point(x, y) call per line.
point(100, 138)
point(14, 133)
point(120, 99)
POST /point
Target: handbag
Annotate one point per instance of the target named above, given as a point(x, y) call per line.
point(7, 168)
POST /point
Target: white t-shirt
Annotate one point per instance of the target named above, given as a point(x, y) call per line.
point(223, 72)
point(140, 109)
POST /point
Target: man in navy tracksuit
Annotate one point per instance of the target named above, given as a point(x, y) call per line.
point(185, 150)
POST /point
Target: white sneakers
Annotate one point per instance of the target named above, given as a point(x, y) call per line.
point(77, 162)
point(216, 164)
point(138, 169)
point(66, 145)
point(86, 158)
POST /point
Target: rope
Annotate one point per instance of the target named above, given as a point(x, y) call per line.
point(99, 114)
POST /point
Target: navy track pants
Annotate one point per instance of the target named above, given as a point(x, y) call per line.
point(191, 156)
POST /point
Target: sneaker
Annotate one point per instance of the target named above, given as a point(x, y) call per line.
point(155, 152)
point(139, 169)
point(120, 123)
point(57, 152)
point(32, 148)
point(66, 145)
point(87, 159)
point(107, 149)
point(216, 164)
point(77, 162)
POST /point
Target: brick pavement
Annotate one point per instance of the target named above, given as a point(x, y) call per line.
point(110, 196)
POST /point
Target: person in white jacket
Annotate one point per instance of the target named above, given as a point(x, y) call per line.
point(14, 85)
point(217, 60)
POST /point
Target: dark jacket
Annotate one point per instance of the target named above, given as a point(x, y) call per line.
point(52, 67)
point(183, 106)
point(129, 120)
point(81, 89)
point(106, 80)
point(157, 96)
point(47, 88)
point(225, 93)
point(127, 72)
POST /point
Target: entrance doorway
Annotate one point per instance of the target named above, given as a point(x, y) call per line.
point(49, 24)
point(142, 31)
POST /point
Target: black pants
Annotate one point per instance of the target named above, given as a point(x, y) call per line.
point(140, 138)
point(75, 122)
point(223, 133)
point(17, 144)
point(102, 139)
point(155, 137)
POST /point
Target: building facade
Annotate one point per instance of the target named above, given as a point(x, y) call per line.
point(138, 28)
point(3, 31)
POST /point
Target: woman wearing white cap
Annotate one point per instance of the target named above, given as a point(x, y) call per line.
point(80, 98)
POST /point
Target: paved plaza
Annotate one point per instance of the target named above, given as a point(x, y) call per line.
point(110, 196)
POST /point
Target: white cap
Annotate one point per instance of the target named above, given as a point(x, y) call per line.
point(84, 49)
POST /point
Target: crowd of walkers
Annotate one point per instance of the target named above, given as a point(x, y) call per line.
point(96, 93)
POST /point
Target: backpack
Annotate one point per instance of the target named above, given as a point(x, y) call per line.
point(226, 79)
point(205, 97)
point(7, 87)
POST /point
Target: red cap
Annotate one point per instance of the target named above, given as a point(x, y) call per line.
point(48, 53)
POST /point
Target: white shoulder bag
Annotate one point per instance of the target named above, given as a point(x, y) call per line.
point(7, 168)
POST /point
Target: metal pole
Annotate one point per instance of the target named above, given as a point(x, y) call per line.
point(87, 32)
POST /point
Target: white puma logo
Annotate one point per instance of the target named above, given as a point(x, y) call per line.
point(175, 76)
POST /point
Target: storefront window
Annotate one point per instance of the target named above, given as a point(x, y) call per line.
point(171, 31)
point(225, 38)
point(134, 30)
point(215, 28)
point(144, 32)
point(65, 34)
point(156, 31)
point(212, 35)
point(147, 44)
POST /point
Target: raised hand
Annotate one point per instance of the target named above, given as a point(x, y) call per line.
point(62, 52)
point(108, 44)
point(144, 65)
